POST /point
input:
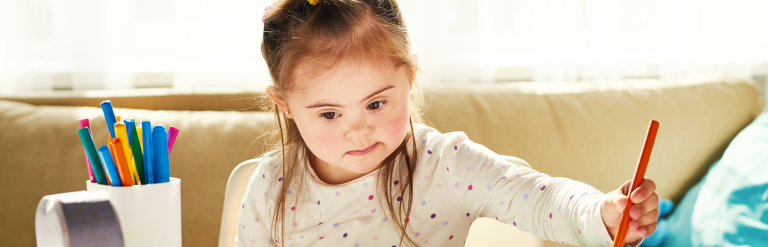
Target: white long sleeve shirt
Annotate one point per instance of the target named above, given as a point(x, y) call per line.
point(456, 181)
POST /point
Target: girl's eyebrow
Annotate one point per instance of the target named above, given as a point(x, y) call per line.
point(323, 104)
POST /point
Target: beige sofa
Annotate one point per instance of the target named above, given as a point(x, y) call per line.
point(590, 132)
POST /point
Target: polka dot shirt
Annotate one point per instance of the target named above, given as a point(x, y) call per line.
point(456, 181)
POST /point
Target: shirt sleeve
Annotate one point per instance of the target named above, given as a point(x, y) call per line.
point(506, 189)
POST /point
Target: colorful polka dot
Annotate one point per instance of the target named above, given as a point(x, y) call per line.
point(467, 214)
point(321, 237)
point(423, 141)
point(280, 179)
point(318, 202)
point(384, 219)
point(445, 222)
point(274, 167)
point(370, 197)
point(295, 224)
point(468, 167)
point(455, 147)
point(439, 186)
point(357, 245)
point(365, 184)
point(354, 212)
point(429, 151)
point(373, 210)
point(423, 203)
point(257, 219)
point(470, 187)
point(513, 223)
point(543, 186)
point(262, 175)
point(550, 215)
point(399, 198)
point(501, 203)
point(450, 238)
point(290, 192)
point(293, 208)
point(375, 237)
point(456, 185)
point(517, 175)
point(397, 182)
point(489, 187)
point(433, 216)
point(345, 235)
point(426, 177)
point(525, 197)
point(338, 193)
point(301, 236)
point(417, 234)
point(335, 224)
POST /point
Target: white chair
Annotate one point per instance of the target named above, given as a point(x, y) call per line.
point(484, 231)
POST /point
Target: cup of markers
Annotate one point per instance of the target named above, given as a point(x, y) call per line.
point(133, 167)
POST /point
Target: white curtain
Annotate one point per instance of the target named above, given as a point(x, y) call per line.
point(116, 44)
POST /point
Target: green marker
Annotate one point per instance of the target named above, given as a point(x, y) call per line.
point(136, 150)
point(93, 156)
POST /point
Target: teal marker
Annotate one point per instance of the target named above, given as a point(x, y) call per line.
point(90, 149)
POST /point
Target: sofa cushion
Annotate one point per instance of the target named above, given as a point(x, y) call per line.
point(593, 132)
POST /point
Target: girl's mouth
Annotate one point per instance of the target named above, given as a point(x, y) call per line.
point(364, 151)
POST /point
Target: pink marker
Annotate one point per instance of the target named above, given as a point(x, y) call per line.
point(83, 124)
point(172, 132)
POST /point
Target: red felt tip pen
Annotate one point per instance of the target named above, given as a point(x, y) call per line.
point(645, 155)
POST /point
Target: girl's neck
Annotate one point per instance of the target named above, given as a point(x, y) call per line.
point(332, 174)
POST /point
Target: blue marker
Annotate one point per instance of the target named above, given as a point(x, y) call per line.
point(93, 156)
point(129, 124)
point(162, 168)
point(109, 115)
point(109, 166)
point(146, 127)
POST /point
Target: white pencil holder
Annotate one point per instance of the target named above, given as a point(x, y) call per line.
point(150, 215)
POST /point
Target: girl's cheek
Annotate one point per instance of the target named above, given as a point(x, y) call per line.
point(396, 124)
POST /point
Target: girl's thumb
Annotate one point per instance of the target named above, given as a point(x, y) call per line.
point(618, 202)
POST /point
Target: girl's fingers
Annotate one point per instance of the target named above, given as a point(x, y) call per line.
point(644, 207)
point(645, 190)
point(649, 218)
point(648, 230)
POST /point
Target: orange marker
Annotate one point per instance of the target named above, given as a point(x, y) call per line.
point(645, 155)
point(116, 149)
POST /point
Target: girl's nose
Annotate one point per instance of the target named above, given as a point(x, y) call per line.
point(359, 129)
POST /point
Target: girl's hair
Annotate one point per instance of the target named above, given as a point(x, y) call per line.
point(369, 31)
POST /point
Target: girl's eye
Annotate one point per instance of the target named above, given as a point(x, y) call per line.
point(376, 105)
point(329, 115)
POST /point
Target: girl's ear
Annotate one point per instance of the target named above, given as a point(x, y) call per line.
point(278, 100)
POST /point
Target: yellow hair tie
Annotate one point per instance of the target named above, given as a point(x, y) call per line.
point(314, 2)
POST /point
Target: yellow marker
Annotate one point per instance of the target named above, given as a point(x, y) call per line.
point(120, 132)
point(141, 140)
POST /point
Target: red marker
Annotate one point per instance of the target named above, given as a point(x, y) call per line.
point(645, 155)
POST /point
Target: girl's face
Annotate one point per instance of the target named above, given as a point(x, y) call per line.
point(351, 117)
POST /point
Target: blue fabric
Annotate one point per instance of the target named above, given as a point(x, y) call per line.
point(732, 204)
point(678, 226)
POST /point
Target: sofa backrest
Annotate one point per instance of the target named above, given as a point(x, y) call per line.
point(591, 132)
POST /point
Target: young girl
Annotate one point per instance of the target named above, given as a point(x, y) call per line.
point(354, 166)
